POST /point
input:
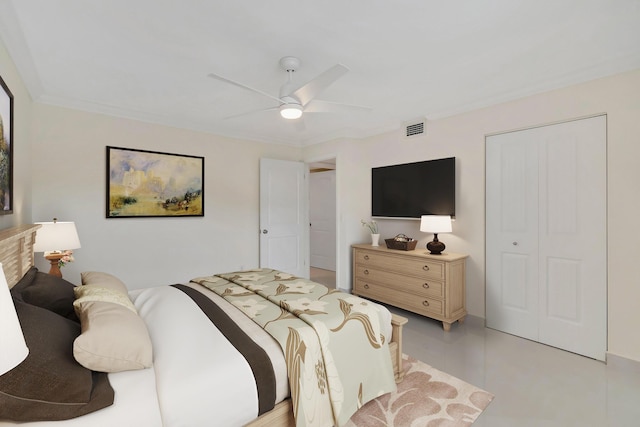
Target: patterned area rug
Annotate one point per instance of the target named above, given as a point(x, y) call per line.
point(426, 397)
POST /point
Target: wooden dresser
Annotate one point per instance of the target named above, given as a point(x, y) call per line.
point(430, 285)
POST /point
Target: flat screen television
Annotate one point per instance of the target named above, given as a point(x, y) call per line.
point(411, 190)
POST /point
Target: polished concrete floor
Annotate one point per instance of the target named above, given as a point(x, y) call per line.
point(534, 385)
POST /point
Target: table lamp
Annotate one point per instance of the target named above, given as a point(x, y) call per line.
point(14, 348)
point(53, 238)
point(435, 224)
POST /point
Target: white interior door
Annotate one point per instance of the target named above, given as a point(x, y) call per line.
point(322, 217)
point(573, 236)
point(546, 235)
point(512, 234)
point(284, 216)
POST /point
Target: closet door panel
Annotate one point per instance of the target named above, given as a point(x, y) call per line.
point(572, 205)
point(512, 234)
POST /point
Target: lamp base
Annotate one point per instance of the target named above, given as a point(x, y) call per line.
point(53, 260)
point(435, 247)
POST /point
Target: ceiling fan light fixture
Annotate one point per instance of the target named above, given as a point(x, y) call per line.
point(291, 111)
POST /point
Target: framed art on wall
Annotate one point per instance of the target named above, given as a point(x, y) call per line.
point(6, 149)
point(143, 183)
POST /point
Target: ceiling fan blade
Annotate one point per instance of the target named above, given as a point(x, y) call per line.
point(248, 113)
point(309, 90)
point(224, 79)
point(318, 106)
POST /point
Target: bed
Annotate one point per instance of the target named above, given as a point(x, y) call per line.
point(195, 372)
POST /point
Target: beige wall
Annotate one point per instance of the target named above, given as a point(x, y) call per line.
point(69, 182)
point(463, 136)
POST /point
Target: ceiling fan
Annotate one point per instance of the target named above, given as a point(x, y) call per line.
point(293, 101)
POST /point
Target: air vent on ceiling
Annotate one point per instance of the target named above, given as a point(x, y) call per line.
point(415, 128)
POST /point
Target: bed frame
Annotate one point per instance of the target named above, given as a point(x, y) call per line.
point(16, 256)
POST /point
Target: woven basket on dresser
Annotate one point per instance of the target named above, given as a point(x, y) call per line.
point(401, 243)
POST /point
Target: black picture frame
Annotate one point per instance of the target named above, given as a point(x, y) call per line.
point(144, 184)
point(6, 149)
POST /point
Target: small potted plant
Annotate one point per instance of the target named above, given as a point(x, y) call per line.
point(373, 228)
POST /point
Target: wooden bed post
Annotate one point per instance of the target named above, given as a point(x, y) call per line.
point(397, 322)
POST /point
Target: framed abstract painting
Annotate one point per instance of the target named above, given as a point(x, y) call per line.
point(143, 183)
point(6, 149)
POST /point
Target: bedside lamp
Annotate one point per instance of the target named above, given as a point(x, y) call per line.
point(14, 348)
point(435, 224)
point(53, 238)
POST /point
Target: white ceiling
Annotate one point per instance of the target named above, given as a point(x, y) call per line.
point(408, 59)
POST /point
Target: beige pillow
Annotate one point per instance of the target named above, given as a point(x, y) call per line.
point(89, 293)
point(103, 280)
point(114, 338)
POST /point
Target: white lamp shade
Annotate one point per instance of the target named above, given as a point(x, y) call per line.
point(435, 223)
point(56, 236)
point(13, 347)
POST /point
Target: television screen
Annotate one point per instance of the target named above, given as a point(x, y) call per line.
point(411, 190)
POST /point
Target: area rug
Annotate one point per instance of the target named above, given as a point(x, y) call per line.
point(426, 397)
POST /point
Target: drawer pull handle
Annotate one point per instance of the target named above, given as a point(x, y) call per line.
point(366, 286)
point(425, 285)
point(425, 303)
point(366, 272)
point(366, 257)
point(425, 268)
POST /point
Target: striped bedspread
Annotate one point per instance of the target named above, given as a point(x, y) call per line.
point(213, 365)
point(337, 357)
point(256, 356)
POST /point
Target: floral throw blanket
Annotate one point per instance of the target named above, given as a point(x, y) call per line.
point(337, 358)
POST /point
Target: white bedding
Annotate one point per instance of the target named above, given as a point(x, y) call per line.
point(198, 377)
point(204, 378)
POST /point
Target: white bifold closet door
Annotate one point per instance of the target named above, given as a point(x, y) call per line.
point(546, 235)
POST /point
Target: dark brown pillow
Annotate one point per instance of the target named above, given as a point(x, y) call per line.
point(49, 384)
point(46, 291)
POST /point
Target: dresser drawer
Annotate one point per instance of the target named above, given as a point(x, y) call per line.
point(415, 285)
point(402, 264)
point(421, 305)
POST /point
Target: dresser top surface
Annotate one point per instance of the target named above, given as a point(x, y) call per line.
point(418, 252)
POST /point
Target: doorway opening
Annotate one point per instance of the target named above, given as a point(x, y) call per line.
point(323, 222)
